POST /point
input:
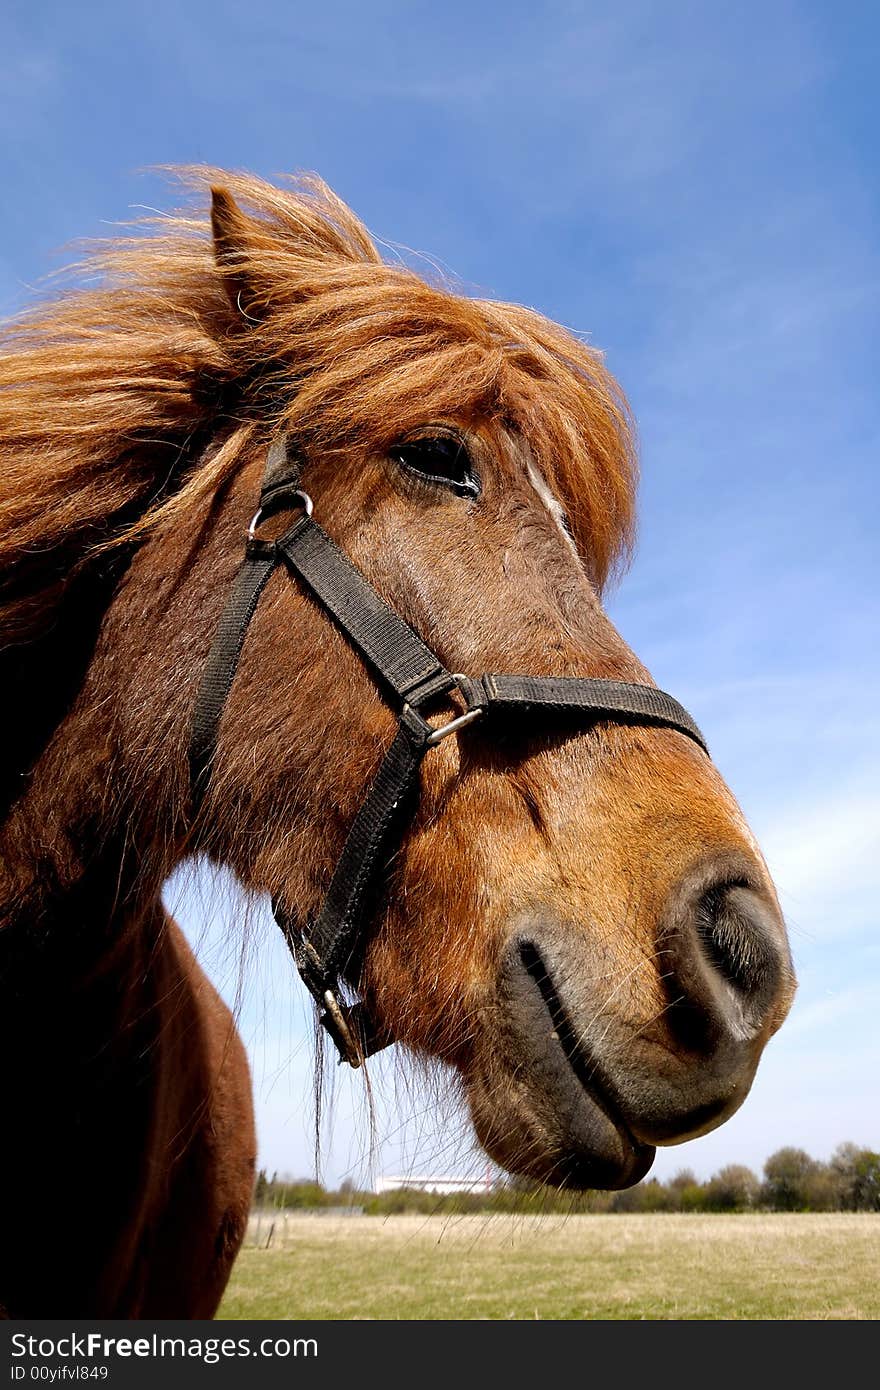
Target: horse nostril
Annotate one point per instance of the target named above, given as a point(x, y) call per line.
point(728, 968)
point(734, 938)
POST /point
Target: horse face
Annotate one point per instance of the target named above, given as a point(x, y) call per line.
point(578, 919)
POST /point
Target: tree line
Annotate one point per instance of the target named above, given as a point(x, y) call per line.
point(791, 1181)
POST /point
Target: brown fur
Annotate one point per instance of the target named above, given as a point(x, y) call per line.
point(135, 418)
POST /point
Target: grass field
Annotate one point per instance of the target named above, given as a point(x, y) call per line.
point(555, 1267)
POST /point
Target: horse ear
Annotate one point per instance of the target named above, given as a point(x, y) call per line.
point(233, 253)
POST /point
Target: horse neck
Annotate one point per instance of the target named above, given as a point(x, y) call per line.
point(77, 959)
point(75, 898)
point(76, 927)
point(43, 677)
point(52, 611)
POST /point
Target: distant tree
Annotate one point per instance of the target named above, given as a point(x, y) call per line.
point(793, 1181)
point(867, 1184)
point(858, 1173)
point(647, 1196)
point(843, 1160)
point(692, 1198)
point(684, 1178)
point(654, 1196)
point(734, 1188)
point(260, 1187)
point(627, 1199)
point(823, 1189)
point(685, 1192)
point(303, 1193)
point(787, 1175)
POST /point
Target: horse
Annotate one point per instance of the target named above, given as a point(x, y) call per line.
point(572, 916)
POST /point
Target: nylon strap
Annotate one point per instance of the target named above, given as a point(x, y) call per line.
point(280, 483)
point(259, 561)
point(326, 950)
point(596, 698)
point(394, 652)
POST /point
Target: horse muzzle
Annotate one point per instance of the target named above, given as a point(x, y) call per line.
point(575, 1079)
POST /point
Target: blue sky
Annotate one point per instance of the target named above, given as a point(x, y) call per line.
point(696, 186)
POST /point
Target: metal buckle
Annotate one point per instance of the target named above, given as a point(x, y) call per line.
point(337, 1025)
point(305, 500)
point(461, 721)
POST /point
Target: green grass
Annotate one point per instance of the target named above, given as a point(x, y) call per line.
point(583, 1267)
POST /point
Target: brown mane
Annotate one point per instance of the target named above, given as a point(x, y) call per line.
point(106, 391)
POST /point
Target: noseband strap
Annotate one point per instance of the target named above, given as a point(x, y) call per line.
point(413, 679)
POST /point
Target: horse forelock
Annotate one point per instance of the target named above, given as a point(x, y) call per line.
point(107, 391)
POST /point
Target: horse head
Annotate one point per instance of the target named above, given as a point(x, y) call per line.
point(575, 916)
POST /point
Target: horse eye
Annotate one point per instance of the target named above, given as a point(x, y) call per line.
point(443, 460)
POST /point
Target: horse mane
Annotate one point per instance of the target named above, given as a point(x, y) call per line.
point(112, 391)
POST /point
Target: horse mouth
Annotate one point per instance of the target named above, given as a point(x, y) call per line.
point(548, 1109)
point(578, 1054)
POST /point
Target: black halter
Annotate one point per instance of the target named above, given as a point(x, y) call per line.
point(412, 678)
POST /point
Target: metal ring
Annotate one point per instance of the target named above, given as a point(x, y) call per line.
point(461, 721)
point(306, 502)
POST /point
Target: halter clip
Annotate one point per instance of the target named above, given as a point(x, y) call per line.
point(475, 706)
point(336, 1023)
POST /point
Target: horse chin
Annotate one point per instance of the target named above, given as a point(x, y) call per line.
point(532, 1132)
point(537, 1109)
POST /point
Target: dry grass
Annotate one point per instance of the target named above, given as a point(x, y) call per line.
point(580, 1267)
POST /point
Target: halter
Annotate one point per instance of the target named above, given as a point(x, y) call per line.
point(412, 678)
